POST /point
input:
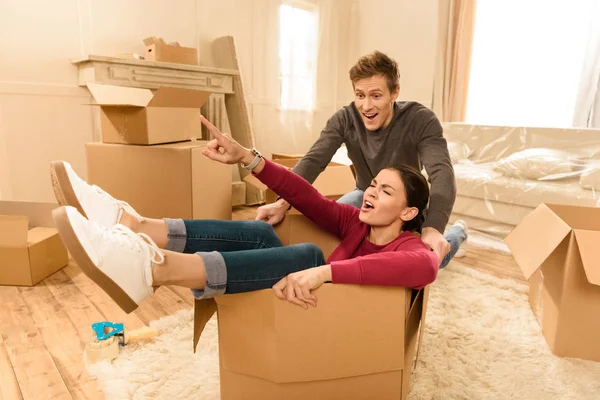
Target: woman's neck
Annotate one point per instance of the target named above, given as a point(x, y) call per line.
point(382, 235)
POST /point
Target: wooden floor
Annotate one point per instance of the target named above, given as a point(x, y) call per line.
point(43, 329)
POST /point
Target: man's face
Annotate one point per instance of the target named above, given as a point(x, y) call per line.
point(374, 101)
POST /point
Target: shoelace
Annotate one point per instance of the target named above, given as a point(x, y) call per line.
point(124, 205)
point(138, 240)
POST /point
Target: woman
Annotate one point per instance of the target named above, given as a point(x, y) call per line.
point(127, 255)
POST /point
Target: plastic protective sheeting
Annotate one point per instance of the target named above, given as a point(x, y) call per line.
point(503, 173)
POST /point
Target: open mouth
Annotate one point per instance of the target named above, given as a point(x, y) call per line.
point(370, 116)
point(367, 205)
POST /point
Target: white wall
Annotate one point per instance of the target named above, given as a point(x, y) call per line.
point(407, 31)
point(42, 116)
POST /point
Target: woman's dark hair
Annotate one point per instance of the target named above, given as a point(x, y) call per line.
point(417, 195)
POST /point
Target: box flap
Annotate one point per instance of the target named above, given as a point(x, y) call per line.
point(536, 237)
point(296, 228)
point(589, 249)
point(254, 181)
point(177, 97)
point(40, 214)
point(110, 95)
point(13, 230)
point(282, 156)
point(203, 312)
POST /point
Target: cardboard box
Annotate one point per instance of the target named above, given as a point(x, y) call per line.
point(557, 248)
point(358, 343)
point(172, 180)
point(139, 116)
point(159, 50)
point(30, 247)
point(335, 181)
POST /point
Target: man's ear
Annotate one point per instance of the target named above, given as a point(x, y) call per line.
point(409, 213)
point(396, 93)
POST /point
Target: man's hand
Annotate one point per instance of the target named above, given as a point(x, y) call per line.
point(297, 287)
point(436, 241)
point(272, 213)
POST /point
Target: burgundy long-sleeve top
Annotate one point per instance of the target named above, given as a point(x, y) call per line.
point(405, 261)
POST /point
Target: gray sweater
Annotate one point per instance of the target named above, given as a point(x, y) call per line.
point(414, 137)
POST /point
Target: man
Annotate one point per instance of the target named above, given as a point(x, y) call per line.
point(379, 132)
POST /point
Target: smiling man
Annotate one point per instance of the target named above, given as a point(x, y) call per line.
point(380, 132)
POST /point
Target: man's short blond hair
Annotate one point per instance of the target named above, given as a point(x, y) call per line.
point(376, 63)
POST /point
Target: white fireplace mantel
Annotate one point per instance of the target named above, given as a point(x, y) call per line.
point(153, 74)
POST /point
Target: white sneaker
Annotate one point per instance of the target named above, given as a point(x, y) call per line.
point(462, 251)
point(91, 201)
point(117, 259)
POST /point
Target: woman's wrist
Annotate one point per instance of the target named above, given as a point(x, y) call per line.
point(326, 273)
point(248, 157)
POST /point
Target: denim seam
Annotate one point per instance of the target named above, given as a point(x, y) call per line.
point(259, 242)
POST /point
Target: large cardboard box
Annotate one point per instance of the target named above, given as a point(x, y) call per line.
point(139, 116)
point(358, 343)
point(172, 180)
point(335, 181)
point(558, 250)
point(30, 247)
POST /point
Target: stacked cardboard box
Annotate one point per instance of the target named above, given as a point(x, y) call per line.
point(30, 248)
point(358, 343)
point(150, 158)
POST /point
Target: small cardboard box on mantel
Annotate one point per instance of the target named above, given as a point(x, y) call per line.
point(358, 343)
point(30, 247)
point(558, 250)
point(139, 116)
point(157, 49)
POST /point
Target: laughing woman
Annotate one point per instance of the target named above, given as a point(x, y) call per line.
point(127, 255)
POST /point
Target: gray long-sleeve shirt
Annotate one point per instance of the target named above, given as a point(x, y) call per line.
point(414, 137)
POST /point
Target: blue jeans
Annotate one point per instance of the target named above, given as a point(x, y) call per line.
point(455, 235)
point(239, 256)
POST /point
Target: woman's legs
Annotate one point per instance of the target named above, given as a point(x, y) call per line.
point(126, 265)
point(214, 273)
point(192, 236)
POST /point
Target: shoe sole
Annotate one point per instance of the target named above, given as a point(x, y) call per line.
point(61, 185)
point(80, 256)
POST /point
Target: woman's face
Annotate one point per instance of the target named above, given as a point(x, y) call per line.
point(385, 201)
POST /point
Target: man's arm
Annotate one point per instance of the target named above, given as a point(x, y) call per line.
point(311, 165)
point(321, 152)
point(433, 151)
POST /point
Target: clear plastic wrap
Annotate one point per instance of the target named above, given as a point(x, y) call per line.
point(506, 172)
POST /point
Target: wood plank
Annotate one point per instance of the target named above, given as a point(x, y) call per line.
point(111, 311)
point(161, 304)
point(184, 293)
point(62, 341)
point(493, 262)
point(81, 311)
point(9, 386)
point(33, 365)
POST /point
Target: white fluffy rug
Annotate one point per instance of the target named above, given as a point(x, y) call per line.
point(482, 342)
